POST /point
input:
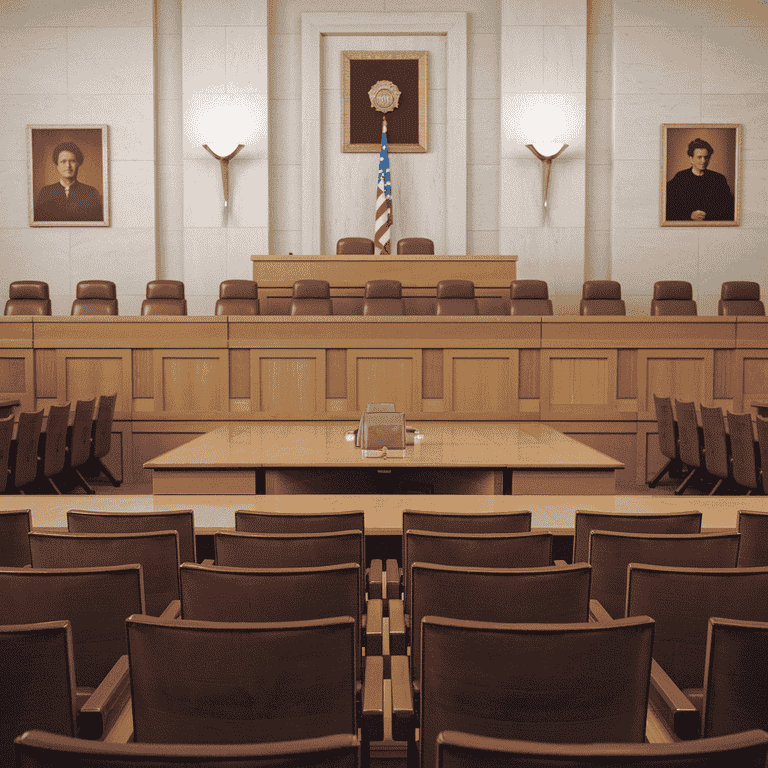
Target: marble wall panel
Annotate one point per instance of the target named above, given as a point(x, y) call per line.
point(284, 241)
point(734, 60)
point(285, 16)
point(18, 110)
point(483, 242)
point(37, 254)
point(597, 257)
point(199, 13)
point(598, 198)
point(34, 60)
point(13, 181)
point(170, 244)
point(482, 197)
point(246, 60)
point(599, 134)
point(749, 109)
point(543, 12)
point(484, 72)
point(523, 67)
point(204, 59)
point(170, 192)
point(485, 16)
point(285, 130)
point(754, 211)
point(636, 194)
point(203, 194)
point(284, 66)
point(285, 198)
point(132, 199)
point(565, 59)
point(249, 190)
point(168, 17)
point(170, 131)
point(566, 197)
point(242, 243)
point(205, 261)
point(169, 68)
point(735, 13)
point(483, 139)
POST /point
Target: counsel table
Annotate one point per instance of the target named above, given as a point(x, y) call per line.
point(298, 457)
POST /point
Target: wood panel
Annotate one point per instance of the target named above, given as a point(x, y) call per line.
point(722, 374)
point(336, 374)
point(82, 374)
point(749, 378)
point(189, 380)
point(143, 373)
point(684, 374)
point(752, 333)
point(481, 381)
point(626, 381)
point(17, 379)
point(390, 376)
point(432, 374)
point(530, 374)
point(239, 373)
point(288, 381)
point(46, 380)
point(15, 332)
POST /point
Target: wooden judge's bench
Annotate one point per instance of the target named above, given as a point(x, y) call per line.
point(592, 378)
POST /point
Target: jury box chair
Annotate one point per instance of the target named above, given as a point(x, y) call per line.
point(164, 297)
point(95, 297)
point(383, 297)
point(456, 297)
point(740, 297)
point(601, 297)
point(28, 297)
point(311, 297)
point(238, 297)
point(529, 297)
point(355, 246)
point(672, 297)
point(415, 245)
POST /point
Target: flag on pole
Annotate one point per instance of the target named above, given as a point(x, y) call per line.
point(383, 197)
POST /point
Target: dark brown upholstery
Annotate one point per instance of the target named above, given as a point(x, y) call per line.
point(37, 749)
point(101, 438)
point(95, 297)
point(610, 553)
point(461, 750)
point(456, 297)
point(415, 245)
point(691, 442)
point(559, 683)
point(740, 297)
point(199, 682)
point(28, 297)
point(164, 297)
point(762, 441)
point(529, 297)
point(238, 297)
point(601, 297)
point(311, 297)
point(37, 680)
point(15, 525)
point(383, 297)
point(23, 456)
point(669, 439)
point(95, 601)
point(157, 553)
point(744, 450)
point(6, 438)
point(53, 444)
point(672, 297)
point(355, 246)
point(79, 443)
point(753, 549)
point(716, 445)
point(587, 521)
point(179, 520)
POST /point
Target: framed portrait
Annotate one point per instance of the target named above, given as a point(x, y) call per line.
point(407, 121)
point(701, 175)
point(68, 175)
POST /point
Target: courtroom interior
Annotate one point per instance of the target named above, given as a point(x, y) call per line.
point(525, 239)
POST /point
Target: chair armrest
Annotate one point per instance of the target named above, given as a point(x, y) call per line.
point(560, 563)
point(597, 612)
point(394, 579)
point(207, 563)
point(372, 720)
point(374, 629)
point(374, 579)
point(403, 715)
point(173, 611)
point(672, 706)
point(101, 712)
point(28, 565)
point(398, 637)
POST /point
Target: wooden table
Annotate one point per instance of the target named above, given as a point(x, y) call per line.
point(486, 458)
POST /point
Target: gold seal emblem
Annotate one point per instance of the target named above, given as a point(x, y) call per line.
point(384, 96)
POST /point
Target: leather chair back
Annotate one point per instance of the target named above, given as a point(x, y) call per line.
point(164, 297)
point(753, 549)
point(238, 297)
point(740, 297)
point(311, 297)
point(15, 525)
point(6, 438)
point(415, 246)
point(529, 297)
point(28, 297)
point(383, 297)
point(95, 297)
point(601, 297)
point(102, 426)
point(672, 297)
point(355, 246)
point(456, 297)
point(24, 469)
point(744, 450)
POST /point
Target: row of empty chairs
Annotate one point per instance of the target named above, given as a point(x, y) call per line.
point(385, 297)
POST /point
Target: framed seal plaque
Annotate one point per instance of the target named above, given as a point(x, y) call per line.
point(394, 82)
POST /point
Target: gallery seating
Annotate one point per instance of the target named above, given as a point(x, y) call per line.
point(753, 549)
point(164, 297)
point(669, 439)
point(740, 297)
point(28, 297)
point(355, 246)
point(762, 441)
point(717, 446)
point(601, 297)
point(15, 525)
point(53, 445)
point(415, 245)
point(101, 439)
point(23, 454)
point(672, 297)
point(6, 439)
point(691, 445)
point(456, 297)
point(311, 297)
point(529, 297)
point(745, 452)
point(383, 297)
point(237, 297)
point(79, 443)
point(95, 297)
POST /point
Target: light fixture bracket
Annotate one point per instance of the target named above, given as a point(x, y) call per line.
point(225, 169)
point(546, 161)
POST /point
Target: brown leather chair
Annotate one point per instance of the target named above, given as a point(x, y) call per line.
point(672, 297)
point(164, 297)
point(15, 525)
point(745, 451)
point(95, 297)
point(601, 297)
point(355, 246)
point(311, 297)
point(384, 297)
point(28, 297)
point(669, 439)
point(6, 440)
point(740, 297)
point(529, 297)
point(22, 458)
point(101, 439)
point(415, 245)
point(238, 297)
point(456, 297)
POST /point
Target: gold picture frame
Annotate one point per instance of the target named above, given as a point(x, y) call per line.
point(361, 123)
point(718, 155)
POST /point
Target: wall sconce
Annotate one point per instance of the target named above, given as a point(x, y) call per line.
point(546, 151)
point(225, 168)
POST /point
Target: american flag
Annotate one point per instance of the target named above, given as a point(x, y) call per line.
point(383, 197)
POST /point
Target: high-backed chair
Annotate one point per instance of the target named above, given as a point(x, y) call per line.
point(311, 297)
point(355, 246)
point(669, 439)
point(529, 297)
point(691, 443)
point(53, 445)
point(79, 443)
point(740, 297)
point(610, 553)
point(101, 439)
point(28, 297)
point(95, 297)
point(762, 440)
point(672, 297)
point(415, 245)
point(15, 525)
point(456, 297)
point(462, 750)
point(745, 452)
point(384, 297)
point(717, 448)
point(164, 297)
point(38, 749)
point(238, 297)
point(753, 549)
point(23, 454)
point(586, 521)
point(6, 438)
point(601, 297)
